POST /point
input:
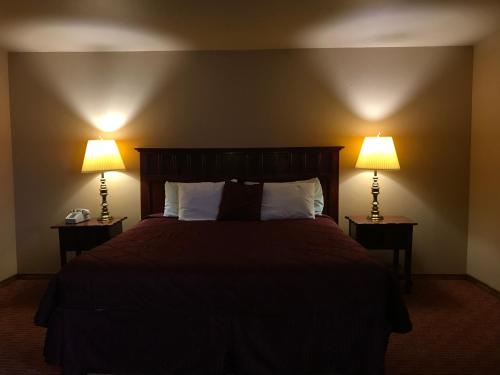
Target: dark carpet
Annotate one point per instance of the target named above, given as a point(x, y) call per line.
point(456, 331)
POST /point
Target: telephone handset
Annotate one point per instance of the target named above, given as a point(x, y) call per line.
point(77, 216)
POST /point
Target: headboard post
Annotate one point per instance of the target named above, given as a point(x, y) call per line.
point(158, 165)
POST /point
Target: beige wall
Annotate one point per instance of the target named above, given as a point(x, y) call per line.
point(421, 96)
point(8, 261)
point(483, 260)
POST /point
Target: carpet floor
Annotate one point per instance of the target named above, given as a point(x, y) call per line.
point(456, 331)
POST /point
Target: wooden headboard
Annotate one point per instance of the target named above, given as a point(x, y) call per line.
point(251, 164)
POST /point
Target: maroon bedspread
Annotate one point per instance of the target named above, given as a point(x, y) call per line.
point(285, 296)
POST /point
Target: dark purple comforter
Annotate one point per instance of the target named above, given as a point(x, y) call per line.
point(275, 297)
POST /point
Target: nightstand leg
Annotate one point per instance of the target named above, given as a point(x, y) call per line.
point(62, 251)
point(63, 258)
point(408, 282)
point(395, 261)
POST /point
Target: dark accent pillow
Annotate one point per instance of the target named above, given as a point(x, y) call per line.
point(240, 202)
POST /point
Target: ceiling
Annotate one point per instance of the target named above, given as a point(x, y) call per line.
point(164, 25)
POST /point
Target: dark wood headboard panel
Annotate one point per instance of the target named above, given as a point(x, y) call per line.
point(252, 164)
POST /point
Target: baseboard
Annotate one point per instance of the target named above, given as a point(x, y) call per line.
point(34, 276)
point(470, 278)
point(27, 276)
point(8, 280)
point(439, 276)
point(483, 286)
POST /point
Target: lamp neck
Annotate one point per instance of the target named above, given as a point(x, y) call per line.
point(375, 212)
point(103, 190)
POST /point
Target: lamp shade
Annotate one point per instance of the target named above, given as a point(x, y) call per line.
point(102, 155)
point(378, 153)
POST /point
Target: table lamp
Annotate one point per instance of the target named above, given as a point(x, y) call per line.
point(102, 155)
point(377, 153)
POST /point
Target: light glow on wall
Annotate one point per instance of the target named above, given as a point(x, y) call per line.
point(375, 83)
point(75, 35)
point(405, 24)
point(110, 121)
point(105, 89)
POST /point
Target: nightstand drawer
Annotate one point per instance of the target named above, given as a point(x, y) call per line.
point(81, 239)
point(383, 236)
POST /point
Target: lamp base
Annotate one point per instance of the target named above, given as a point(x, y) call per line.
point(105, 219)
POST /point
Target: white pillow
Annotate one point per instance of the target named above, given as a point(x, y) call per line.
point(287, 200)
point(171, 199)
point(199, 200)
point(319, 202)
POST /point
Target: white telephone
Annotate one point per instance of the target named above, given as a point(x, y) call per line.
point(77, 216)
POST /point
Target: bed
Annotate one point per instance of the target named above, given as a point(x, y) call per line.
point(258, 297)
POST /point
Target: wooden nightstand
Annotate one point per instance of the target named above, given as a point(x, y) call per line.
point(394, 232)
point(86, 235)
